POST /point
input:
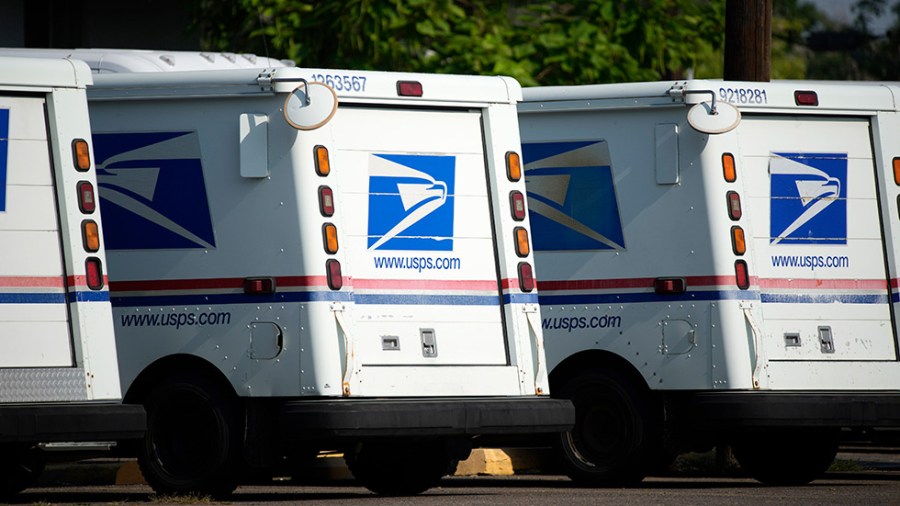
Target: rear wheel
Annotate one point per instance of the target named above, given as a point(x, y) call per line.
point(617, 435)
point(193, 440)
point(399, 468)
point(20, 467)
point(786, 458)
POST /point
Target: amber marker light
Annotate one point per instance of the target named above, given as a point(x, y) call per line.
point(513, 166)
point(329, 233)
point(896, 163)
point(323, 165)
point(82, 154)
point(738, 244)
point(522, 248)
point(90, 234)
point(728, 168)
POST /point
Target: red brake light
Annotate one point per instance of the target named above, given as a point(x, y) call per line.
point(741, 275)
point(333, 271)
point(94, 273)
point(526, 277)
point(806, 97)
point(326, 201)
point(86, 201)
point(517, 203)
point(409, 88)
point(734, 205)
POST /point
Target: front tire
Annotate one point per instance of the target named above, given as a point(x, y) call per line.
point(617, 435)
point(193, 440)
point(397, 468)
point(786, 458)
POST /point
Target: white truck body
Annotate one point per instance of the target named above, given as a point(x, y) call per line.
point(59, 380)
point(383, 300)
point(636, 232)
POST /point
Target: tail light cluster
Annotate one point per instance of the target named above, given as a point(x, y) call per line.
point(87, 204)
point(738, 240)
point(329, 230)
point(520, 234)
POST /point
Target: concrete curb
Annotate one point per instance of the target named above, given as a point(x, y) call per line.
point(328, 467)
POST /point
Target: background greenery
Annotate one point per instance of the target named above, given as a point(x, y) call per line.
point(546, 43)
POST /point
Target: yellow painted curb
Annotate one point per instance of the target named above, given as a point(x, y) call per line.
point(130, 474)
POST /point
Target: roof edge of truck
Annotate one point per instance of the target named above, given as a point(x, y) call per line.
point(831, 95)
point(42, 73)
point(347, 84)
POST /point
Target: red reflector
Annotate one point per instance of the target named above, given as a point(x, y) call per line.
point(526, 277)
point(669, 285)
point(86, 201)
point(805, 97)
point(742, 277)
point(734, 205)
point(326, 201)
point(93, 270)
point(517, 203)
point(409, 88)
point(333, 270)
point(259, 286)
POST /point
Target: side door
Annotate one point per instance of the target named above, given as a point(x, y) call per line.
point(817, 237)
point(425, 277)
point(34, 318)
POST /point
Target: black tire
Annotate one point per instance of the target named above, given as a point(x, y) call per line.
point(20, 467)
point(617, 436)
point(193, 440)
point(398, 468)
point(786, 458)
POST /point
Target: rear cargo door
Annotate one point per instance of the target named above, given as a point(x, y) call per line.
point(34, 320)
point(817, 238)
point(421, 246)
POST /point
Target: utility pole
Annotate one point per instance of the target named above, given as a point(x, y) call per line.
point(748, 40)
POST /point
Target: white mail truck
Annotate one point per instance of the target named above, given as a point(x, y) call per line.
point(718, 265)
point(59, 381)
point(310, 259)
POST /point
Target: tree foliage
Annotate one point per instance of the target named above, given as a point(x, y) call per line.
point(537, 42)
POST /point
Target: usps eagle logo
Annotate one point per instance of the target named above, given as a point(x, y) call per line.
point(152, 191)
point(411, 202)
point(808, 198)
point(572, 196)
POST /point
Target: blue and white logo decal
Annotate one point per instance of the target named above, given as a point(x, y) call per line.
point(411, 202)
point(4, 152)
point(571, 196)
point(808, 198)
point(153, 192)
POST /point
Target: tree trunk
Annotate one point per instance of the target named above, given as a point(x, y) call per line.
point(748, 40)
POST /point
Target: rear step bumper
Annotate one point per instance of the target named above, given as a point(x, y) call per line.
point(71, 422)
point(354, 418)
point(722, 410)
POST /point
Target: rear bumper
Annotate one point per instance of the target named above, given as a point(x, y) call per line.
point(71, 422)
point(355, 418)
point(740, 410)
